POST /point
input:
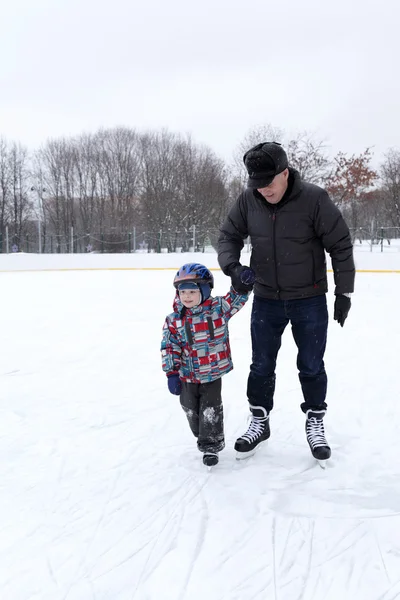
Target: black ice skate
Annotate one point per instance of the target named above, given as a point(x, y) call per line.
point(316, 435)
point(257, 432)
point(210, 459)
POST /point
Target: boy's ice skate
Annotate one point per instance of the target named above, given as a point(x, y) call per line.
point(316, 436)
point(257, 432)
point(210, 459)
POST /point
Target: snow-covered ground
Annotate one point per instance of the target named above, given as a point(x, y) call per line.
point(102, 492)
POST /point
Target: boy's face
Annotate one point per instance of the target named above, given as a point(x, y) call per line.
point(190, 298)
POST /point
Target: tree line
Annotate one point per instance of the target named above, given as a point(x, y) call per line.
point(117, 187)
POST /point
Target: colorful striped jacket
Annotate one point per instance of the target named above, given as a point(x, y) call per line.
point(195, 341)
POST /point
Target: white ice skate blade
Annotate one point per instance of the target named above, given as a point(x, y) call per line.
point(322, 463)
point(243, 455)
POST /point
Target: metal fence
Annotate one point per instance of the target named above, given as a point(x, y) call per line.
point(375, 236)
point(109, 241)
point(162, 240)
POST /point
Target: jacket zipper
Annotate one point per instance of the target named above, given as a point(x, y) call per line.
point(274, 250)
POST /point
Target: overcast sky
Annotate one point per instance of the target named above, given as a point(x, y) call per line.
point(214, 68)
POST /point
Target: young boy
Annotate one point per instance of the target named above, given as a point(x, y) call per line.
point(196, 353)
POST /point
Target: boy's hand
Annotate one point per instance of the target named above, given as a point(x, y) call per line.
point(243, 279)
point(174, 384)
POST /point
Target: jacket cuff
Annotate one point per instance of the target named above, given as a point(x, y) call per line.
point(172, 373)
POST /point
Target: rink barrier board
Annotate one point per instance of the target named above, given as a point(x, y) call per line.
point(60, 269)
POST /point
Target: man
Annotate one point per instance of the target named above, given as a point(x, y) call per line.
point(291, 223)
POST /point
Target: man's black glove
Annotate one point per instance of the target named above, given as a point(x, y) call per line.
point(342, 307)
point(243, 279)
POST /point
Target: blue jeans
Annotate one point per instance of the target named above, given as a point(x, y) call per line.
point(309, 320)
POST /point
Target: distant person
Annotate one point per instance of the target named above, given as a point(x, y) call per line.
point(196, 353)
point(291, 223)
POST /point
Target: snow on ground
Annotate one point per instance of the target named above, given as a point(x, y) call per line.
point(102, 492)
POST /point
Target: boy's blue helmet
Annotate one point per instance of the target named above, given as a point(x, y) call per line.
point(197, 274)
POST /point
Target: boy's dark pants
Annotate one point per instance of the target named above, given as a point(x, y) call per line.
point(309, 320)
point(202, 403)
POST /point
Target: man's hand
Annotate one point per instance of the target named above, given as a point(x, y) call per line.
point(243, 279)
point(341, 309)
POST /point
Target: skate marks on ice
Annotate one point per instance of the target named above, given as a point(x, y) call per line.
point(307, 559)
point(351, 484)
point(153, 508)
point(104, 496)
point(297, 538)
point(152, 522)
point(315, 559)
point(176, 545)
point(230, 544)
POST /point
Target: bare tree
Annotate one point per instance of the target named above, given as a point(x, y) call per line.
point(183, 190)
point(260, 133)
point(5, 181)
point(390, 180)
point(175, 192)
point(202, 191)
point(159, 181)
point(21, 207)
point(118, 158)
point(309, 157)
point(92, 183)
point(54, 162)
point(15, 206)
point(86, 173)
point(306, 154)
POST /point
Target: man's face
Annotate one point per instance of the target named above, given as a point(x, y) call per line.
point(274, 192)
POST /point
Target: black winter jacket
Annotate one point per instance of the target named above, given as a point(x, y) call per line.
point(288, 241)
